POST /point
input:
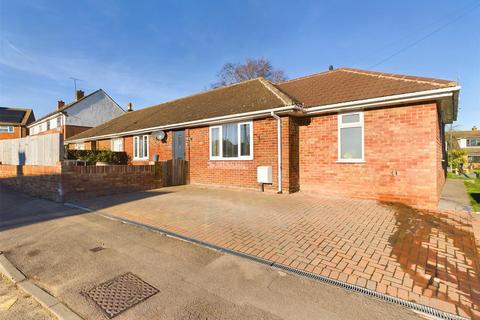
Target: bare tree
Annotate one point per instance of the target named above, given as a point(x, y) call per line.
point(250, 69)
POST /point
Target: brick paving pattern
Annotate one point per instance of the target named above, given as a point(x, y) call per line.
point(426, 257)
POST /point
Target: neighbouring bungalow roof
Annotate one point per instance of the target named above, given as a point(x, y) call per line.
point(331, 87)
point(472, 151)
point(16, 116)
point(464, 134)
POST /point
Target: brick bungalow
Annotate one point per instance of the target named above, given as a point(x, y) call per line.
point(342, 132)
point(14, 121)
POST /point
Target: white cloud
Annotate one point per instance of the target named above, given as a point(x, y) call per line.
point(117, 79)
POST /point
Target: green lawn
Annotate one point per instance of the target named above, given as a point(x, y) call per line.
point(473, 189)
point(451, 175)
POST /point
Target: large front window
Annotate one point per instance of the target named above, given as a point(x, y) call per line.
point(232, 141)
point(140, 147)
point(117, 144)
point(8, 129)
point(473, 142)
point(350, 137)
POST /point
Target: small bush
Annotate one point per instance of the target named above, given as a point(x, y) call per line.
point(457, 157)
point(94, 156)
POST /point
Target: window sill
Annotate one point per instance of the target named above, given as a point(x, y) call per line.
point(351, 161)
point(231, 159)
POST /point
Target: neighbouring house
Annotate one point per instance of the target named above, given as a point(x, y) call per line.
point(85, 112)
point(14, 121)
point(468, 141)
point(342, 132)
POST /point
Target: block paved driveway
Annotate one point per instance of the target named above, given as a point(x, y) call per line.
point(426, 257)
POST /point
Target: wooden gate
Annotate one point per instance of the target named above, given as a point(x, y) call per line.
point(172, 172)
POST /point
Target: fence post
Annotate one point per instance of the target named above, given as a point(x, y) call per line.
point(158, 179)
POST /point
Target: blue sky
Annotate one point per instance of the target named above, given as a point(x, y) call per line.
point(148, 52)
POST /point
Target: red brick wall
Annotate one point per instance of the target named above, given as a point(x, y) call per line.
point(441, 153)
point(65, 183)
point(94, 181)
point(70, 130)
point(162, 148)
point(239, 173)
point(402, 139)
point(39, 181)
point(12, 135)
point(103, 144)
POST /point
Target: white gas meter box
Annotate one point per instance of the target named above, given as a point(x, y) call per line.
point(264, 174)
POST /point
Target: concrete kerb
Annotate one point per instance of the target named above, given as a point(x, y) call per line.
point(49, 302)
point(425, 311)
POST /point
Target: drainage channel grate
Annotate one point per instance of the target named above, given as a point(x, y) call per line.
point(121, 293)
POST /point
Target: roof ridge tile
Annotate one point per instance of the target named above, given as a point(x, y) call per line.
point(283, 97)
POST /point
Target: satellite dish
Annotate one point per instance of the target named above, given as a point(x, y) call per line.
point(159, 135)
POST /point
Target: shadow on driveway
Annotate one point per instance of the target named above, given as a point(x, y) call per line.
point(18, 209)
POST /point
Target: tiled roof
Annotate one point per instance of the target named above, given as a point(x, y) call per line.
point(16, 116)
point(345, 84)
point(336, 86)
point(248, 96)
point(472, 151)
point(465, 134)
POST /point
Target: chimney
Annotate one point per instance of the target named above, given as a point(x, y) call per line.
point(60, 104)
point(330, 68)
point(474, 128)
point(79, 95)
point(129, 107)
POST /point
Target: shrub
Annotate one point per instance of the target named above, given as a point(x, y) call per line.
point(94, 156)
point(456, 157)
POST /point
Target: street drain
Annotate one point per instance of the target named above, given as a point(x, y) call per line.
point(121, 293)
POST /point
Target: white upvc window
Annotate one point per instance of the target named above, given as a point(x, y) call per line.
point(53, 123)
point(79, 146)
point(231, 141)
point(140, 147)
point(351, 137)
point(7, 129)
point(117, 144)
point(473, 142)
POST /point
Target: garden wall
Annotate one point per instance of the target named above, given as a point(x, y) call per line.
point(92, 181)
point(35, 180)
point(68, 182)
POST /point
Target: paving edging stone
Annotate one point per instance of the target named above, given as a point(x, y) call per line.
point(49, 302)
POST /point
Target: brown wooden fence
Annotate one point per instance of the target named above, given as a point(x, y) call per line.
point(172, 172)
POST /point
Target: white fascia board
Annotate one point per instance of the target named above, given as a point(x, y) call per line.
point(376, 104)
point(202, 122)
point(400, 98)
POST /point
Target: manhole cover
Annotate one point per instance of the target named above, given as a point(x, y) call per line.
point(121, 293)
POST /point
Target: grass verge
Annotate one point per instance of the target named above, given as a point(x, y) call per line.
point(473, 189)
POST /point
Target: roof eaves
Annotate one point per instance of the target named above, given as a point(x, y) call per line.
point(26, 116)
